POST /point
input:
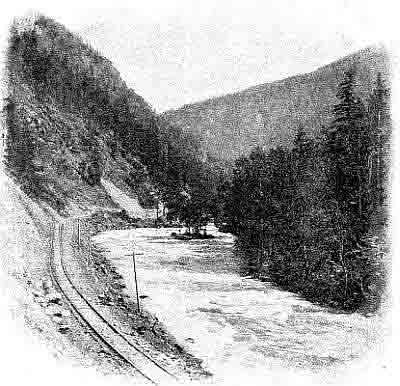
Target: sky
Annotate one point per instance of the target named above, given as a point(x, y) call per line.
point(178, 52)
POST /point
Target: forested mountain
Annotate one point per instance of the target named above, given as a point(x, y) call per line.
point(313, 217)
point(72, 121)
point(269, 114)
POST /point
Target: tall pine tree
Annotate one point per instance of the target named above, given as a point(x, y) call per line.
point(348, 147)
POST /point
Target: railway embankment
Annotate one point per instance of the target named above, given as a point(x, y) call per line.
point(30, 294)
point(28, 245)
point(104, 288)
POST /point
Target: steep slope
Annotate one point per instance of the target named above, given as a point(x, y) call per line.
point(269, 114)
point(71, 120)
point(129, 204)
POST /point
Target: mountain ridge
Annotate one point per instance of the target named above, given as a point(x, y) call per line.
point(268, 114)
point(71, 120)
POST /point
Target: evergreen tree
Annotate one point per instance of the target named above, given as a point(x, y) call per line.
point(348, 147)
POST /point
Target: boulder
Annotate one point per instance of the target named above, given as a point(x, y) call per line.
point(54, 310)
point(53, 297)
point(63, 328)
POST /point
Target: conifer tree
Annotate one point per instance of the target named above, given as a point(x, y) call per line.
point(348, 147)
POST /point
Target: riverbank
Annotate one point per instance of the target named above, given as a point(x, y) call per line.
point(316, 286)
point(106, 288)
point(233, 323)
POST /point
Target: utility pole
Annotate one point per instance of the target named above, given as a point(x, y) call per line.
point(131, 238)
point(136, 285)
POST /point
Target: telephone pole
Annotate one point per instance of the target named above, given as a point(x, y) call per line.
point(136, 285)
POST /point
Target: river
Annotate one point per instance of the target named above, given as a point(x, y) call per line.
point(235, 324)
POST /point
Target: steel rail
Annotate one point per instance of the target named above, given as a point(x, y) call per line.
point(93, 329)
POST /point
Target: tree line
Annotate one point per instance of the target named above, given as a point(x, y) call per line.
point(313, 217)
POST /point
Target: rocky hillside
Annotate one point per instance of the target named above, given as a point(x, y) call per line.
point(71, 121)
point(269, 114)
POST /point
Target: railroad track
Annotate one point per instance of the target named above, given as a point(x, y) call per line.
point(101, 329)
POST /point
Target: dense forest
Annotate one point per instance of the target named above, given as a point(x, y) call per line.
point(72, 121)
point(312, 217)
